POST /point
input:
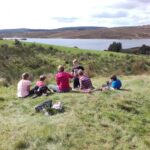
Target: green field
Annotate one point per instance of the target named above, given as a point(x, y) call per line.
point(109, 120)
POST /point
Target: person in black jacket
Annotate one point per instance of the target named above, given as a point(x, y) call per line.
point(75, 69)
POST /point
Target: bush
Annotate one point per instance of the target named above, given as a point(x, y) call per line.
point(115, 47)
point(17, 43)
point(3, 82)
point(144, 49)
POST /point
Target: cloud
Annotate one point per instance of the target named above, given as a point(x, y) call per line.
point(65, 19)
point(126, 5)
point(54, 14)
point(119, 14)
point(143, 1)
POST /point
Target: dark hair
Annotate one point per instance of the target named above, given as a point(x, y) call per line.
point(42, 77)
point(113, 77)
point(80, 72)
point(25, 75)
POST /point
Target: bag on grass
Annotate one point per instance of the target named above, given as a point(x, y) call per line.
point(46, 104)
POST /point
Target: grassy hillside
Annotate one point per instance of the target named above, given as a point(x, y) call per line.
point(16, 58)
point(111, 120)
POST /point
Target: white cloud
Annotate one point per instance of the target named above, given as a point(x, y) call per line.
point(48, 14)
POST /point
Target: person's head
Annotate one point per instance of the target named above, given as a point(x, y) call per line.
point(25, 76)
point(113, 77)
point(42, 77)
point(75, 62)
point(80, 72)
point(60, 68)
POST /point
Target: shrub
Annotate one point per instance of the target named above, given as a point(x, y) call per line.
point(144, 49)
point(115, 47)
point(3, 82)
point(18, 43)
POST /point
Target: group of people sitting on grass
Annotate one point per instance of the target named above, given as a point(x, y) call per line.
point(81, 82)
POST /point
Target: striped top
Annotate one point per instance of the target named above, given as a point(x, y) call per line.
point(85, 83)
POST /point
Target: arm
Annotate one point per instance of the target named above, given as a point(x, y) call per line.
point(28, 85)
point(70, 75)
point(28, 88)
point(81, 84)
point(57, 80)
point(113, 85)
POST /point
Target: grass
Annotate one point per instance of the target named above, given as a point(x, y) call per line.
point(108, 120)
point(40, 59)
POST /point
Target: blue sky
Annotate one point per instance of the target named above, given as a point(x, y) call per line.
point(50, 14)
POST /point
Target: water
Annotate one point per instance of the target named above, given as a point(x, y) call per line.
point(91, 44)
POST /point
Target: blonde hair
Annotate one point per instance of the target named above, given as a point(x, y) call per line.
point(60, 68)
point(75, 61)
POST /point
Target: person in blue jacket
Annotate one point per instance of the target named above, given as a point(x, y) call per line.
point(115, 83)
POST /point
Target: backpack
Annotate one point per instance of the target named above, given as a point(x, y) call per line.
point(46, 104)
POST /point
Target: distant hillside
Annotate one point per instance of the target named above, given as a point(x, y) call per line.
point(135, 32)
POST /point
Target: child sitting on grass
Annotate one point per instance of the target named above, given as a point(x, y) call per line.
point(113, 84)
point(41, 87)
point(85, 82)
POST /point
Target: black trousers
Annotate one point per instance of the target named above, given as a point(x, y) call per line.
point(76, 83)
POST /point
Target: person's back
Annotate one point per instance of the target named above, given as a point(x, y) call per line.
point(62, 79)
point(23, 86)
point(85, 82)
point(41, 82)
point(115, 83)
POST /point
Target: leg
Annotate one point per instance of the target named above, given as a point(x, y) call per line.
point(76, 83)
point(53, 87)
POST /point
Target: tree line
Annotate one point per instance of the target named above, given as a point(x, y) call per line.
point(117, 47)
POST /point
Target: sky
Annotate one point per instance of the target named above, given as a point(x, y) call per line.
point(51, 14)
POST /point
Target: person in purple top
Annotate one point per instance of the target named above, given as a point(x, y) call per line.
point(85, 82)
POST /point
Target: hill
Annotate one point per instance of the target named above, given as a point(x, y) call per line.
point(108, 120)
point(131, 32)
point(17, 57)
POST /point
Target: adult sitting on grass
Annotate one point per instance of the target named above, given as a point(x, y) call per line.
point(62, 80)
point(85, 82)
point(23, 87)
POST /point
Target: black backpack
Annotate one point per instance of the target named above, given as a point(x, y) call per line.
point(46, 104)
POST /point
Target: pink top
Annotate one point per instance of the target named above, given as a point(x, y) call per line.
point(40, 83)
point(62, 79)
point(23, 88)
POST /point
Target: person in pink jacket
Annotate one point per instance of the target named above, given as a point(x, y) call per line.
point(62, 80)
